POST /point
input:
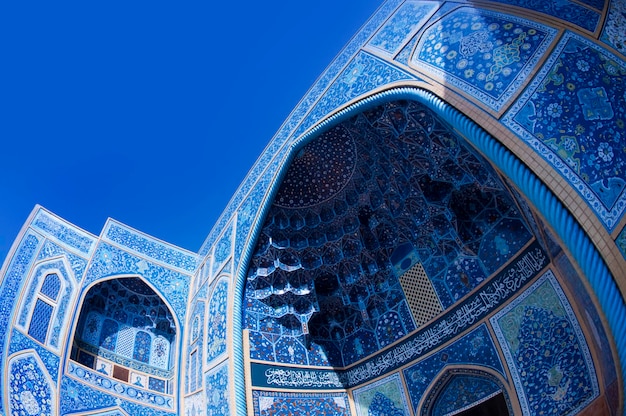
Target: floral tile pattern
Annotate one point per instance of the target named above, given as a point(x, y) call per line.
point(486, 54)
point(383, 397)
point(217, 397)
point(408, 17)
point(613, 33)
point(30, 389)
point(573, 114)
point(558, 375)
point(216, 331)
point(567, 10)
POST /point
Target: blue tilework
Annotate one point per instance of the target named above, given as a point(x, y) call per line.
point(77, 264)
point(486, 54)
point(268, 403)
point(383, 397)
point(362, 75)
point(573, 114)
point(408, 17)
point(621, 242)
point(116, 388)
point(10, 287)
point(19, 342)
point(613, 33)
point(80, 397)
point(195, 341)
point(556, 376)
point(173, 286)
point(476, 348)
point(567, 10)
point(462, 391)
point(30, 390)
point(271, 153)
point(222, 250)
point(195, 405)
point(64, 232)
point(217, 397)
point(42, 269)
point(148, 246)
point(216, 331)
point(322, 267)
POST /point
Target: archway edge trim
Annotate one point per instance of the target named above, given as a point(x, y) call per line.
point(565, 226)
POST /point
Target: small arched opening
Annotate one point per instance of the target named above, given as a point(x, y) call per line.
point(127, 332)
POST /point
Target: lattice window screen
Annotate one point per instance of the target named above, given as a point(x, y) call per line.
point(420, 294)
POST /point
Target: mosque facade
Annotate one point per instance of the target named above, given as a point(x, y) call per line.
point(438, 228)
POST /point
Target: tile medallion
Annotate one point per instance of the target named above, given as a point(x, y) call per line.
point(487, 55)
point(383, 397)
point(30, 390)
point(408, 18)
point(573, 114)
point(556, 376)
point(268, 403)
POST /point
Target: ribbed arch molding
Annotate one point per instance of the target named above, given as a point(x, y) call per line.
point(544, 201)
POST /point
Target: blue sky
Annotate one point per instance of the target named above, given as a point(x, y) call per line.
point(151, 112)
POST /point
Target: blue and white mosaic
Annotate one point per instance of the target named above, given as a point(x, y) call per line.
point(476, 348)
point(485, 54)
point(63, 232)
point(30, 390)
point(567, 10)
point(109, 260)
point(613, 33)
point(573, 114)
point(409, 17)
point(383, 397)
point(217, 397)
point(268, 403)
point(216, 326)
point(546, 350)
point(150, 247)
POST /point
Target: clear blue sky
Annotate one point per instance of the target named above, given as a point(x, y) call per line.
point(150, 112)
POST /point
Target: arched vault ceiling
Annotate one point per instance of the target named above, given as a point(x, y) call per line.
point(362, 204)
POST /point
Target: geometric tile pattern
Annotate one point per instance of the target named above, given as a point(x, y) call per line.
point(322, 286)
point(383, 397)
point(573, 114)
point(486, 54)
point(420, 295)
point(409, 16)
point(475, 348)
point(546, 350)
point(268, 403)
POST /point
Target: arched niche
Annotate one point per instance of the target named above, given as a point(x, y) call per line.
point(467, 392)
point(126, 331)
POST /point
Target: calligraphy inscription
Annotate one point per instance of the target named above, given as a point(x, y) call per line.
point(473, 309)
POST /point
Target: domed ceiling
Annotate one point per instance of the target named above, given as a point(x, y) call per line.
point(380, 224)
